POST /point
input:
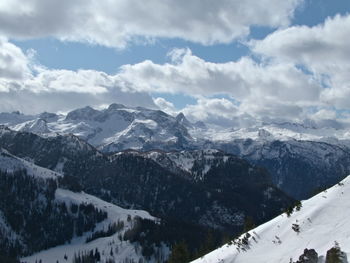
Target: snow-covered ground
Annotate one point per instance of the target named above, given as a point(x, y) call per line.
point(121, 249)
point(198, 161)
point(323, 220)
point(11, 163)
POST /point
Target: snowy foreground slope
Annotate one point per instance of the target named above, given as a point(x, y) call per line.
point(322, 221)
point(122, 250)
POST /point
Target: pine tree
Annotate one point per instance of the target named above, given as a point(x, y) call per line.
point(248, 224)
point(335, 255)
point(179, 253)
point(97, 255)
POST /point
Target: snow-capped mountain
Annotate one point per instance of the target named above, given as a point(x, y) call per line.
point(113, 129)
point(119, 127)
point(277, 131)
point(297, 167)
point(85, 222)
point(320, 224)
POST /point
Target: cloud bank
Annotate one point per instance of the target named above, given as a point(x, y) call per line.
point(117, 23)
point(31, 88)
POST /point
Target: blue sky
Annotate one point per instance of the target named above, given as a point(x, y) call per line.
point(221, 49)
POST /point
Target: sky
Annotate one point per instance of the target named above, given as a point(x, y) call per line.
point(226, 62)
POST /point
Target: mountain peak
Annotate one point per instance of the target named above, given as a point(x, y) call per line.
point(116, 106)
point(180, 118)
point(86, 113)
point(48, 116)
point(38, 126)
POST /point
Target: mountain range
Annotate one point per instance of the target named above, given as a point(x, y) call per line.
point(201, 184)
point(291, 152)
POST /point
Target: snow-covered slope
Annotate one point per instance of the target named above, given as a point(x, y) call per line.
point(10, 163)
point(121, 250)
point(321, 221)
point(121, 219)
point(197, 163)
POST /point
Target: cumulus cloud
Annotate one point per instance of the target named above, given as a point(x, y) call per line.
point(274, 89)
point(32, 88)
point(323, 50)
point(219, 111)
point(27, 101)
point(115, 23)
point(13, 63)
point(165, 105)
point(260, 90)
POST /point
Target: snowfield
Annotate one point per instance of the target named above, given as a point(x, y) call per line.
point(322, 220)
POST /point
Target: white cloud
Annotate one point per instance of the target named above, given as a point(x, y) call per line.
point(216, 111)
point(13, 63)
point(165, 105)
point(117, 22)
point(324, 114)
point(323, 50)
point(31, 88)
point(310, 45)
point(274, 89)
point(28, 101)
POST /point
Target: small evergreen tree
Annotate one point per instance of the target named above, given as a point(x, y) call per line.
point(248, 224)
point(298, 205)
point(335, 255)
point(179, 253)
point(296, 228)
